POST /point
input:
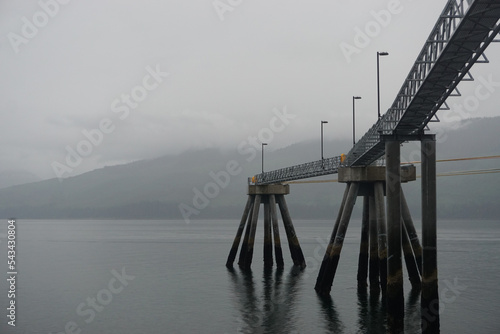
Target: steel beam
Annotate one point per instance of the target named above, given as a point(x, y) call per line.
point(457, 41)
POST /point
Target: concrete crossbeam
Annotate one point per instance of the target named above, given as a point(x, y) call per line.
point(374, 174)
point(271, 189)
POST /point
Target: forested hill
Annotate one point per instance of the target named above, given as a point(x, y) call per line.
point(212, 183)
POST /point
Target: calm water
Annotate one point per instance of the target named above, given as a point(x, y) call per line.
point(169, 277)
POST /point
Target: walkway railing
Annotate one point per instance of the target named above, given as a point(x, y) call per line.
point(457, 41)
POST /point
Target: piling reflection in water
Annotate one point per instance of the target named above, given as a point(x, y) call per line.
point(271, 310)
point(371, 311)
point(332, 320)
point(412, 311)
point(270, 303)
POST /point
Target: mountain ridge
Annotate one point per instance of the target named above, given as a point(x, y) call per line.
point(159, 188)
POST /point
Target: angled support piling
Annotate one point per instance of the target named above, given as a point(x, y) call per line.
point(244, 245)
point(368, 182)
point(331, 260)
point(324, 267)
point(293, 241)
point(269, 196)
point(276, 232)
point(411, 264)
point(412, 233)
point(236, 242)
point(247, 261)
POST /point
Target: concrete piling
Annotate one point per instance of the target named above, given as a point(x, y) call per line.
point(236, 242)
point(411, 265)
point(244, 245)
point(268, 241)
point(430, 295)
point(326, 257)
point(374, 255)
point(368, 182)
point(324, 283)
point(293, 241)
point(364, 244)
point(412, 232)
point(382, 244)
point(387, 233)
point(253, 228)
point(382, 233)
point(395, 297)
point(276, 233)
point(269, 196)
point(337, 221)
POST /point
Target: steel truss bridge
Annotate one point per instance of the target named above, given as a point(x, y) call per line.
point(457, 41)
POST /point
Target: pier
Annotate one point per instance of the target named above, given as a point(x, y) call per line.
point(372, 170)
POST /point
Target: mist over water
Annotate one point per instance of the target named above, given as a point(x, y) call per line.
point(169, 277)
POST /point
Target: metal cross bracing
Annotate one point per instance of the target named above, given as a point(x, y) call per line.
point(457, 41)
point(310, 169)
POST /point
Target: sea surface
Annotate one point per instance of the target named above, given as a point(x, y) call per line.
point(127, 276)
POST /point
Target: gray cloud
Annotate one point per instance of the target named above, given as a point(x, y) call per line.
point(225, 76)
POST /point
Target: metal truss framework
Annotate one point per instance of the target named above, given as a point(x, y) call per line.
point(310, 169)
point(458, 40)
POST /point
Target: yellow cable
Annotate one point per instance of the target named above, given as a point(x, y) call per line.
point(455, 173)
point(471, 172)
point(458, 159)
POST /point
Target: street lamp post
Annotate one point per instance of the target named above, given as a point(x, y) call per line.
point(354, 98)
point(378, 78)
point(263, 144)
point(322, 122)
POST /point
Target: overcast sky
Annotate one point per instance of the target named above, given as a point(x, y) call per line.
point(231, 65)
